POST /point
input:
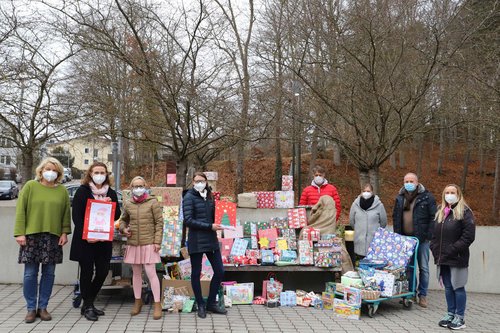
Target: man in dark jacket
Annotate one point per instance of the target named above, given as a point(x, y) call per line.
point(413, 215)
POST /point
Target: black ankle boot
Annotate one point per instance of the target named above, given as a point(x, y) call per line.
point(97, 311)
point(202, 312)
point(214, 308)
point(89, 313)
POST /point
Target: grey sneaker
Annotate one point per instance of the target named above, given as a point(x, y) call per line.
point(457, 323)
point(446, 320)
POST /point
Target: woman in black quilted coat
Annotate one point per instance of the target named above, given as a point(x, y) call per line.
point(199, 212)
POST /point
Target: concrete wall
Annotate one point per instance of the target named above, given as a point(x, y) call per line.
point(484, 267)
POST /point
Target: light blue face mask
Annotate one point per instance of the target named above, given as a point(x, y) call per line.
point(410, 187)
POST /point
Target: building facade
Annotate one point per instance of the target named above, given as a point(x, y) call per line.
point(85, 150)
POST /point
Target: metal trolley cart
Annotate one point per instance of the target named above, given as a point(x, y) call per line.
point(406, 297)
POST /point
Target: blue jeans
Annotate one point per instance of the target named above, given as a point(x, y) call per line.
point(423, 268)
point(216, 262)
point(455, 298)
point(32, 290)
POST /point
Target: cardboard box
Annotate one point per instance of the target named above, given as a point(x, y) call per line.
point(205, 286)
point(247, 200)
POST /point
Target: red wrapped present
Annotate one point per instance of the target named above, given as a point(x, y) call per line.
point(216, 195)
point(271, 235)
point(225, 213)
point(253, 254)
point(287, 183)
point(226, 245)
point(297, 218)
point(311, 234)
point(265, 199)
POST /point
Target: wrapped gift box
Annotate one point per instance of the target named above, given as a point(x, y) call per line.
point(253, 254)
point(247, 200)
point(351, 282)
point(172, 232)
point(271, 235)
point(311, 234)
point(168, 196)
point(343, 310)
point(385, 283)
point(278, 223)
point(216, 195)
point(240, 293)
point(306, 256)
point(225, 246)
point(267, 257)
point(239, 247)
point(288, 298)
point(297, 218)
point(225, 213)
point(265, 199)
point(288, 255)
point(326, 259)
point(184, 267)
point(327, 299)
point(287, 183)
point(281, 244)
point(237, 232)
point(283, 199)
point(396, 249)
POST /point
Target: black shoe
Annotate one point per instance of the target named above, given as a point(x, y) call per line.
point(89, 313)
point(97, 311)
point(202, 313)
point(214, 308)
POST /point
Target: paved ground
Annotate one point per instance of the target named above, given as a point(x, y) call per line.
point(483, 315)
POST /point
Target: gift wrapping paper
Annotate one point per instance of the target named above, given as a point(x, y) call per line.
point(240, 293)
point(288, 298)
point(281, 244)
point(267, 257)
point(283, 199)
point(343, 310)
point(265, 199)
point(396, 249)
point(270, 234)
point(327, 299)
point(278, 222)
point(288, 255)
point(287, 183)
point(167, 196)
point(306, 256)
point(385, 283)
point(236, 233)
point(253, 254)
point(225, 246)
point(172, 232)
point(297, 218)
point(239, 247)
point(311, 234)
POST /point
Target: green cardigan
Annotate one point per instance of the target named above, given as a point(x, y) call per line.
point(42, 209)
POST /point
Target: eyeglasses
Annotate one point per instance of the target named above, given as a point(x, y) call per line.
point(137, 187)
point(199, 181)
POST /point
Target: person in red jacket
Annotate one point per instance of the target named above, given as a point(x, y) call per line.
point(318, 188)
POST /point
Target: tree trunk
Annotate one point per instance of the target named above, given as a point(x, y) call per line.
point(336, 154)
point(393, 161)
point(402, 159)
point(314, 148)
point(441, 149)
point(465, 171)
point(364, 178)
point(240, 160)
point(27, 165)
point(374, 179)
point(496, 188)
point(278, 164)
point(420, 143)
point(181, 171)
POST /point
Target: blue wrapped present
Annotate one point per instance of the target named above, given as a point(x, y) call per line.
point(288, 298)
point(267, 257)
point(288, 255)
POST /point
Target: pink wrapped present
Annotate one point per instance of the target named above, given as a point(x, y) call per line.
point(297, 218)
point(265, 199)
point(237, 232)
point(225, 246)
point(271, 235)
point(287, 183)
point(253, 254)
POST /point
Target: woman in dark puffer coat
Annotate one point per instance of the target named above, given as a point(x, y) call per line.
point(199, 213)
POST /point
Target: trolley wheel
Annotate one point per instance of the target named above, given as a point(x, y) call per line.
point(407, 303)
point(77, 300)
point(372, 309)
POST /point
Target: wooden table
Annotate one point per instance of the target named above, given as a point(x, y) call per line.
point(273, 268)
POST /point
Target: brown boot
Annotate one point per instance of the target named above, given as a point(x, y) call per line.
point(422, 301)
point(157, 310)
point(137, 307)
point(30, 317)
point(44, 315)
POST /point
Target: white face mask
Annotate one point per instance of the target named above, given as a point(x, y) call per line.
point(200, 186)
point(49, 176)
point(98, 179)
point(451, 198)
point(366, 195)
point(319, 180)
point(138, 191)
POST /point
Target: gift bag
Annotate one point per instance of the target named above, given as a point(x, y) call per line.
point(225, 213)
point(297, 218)
point(271, 288)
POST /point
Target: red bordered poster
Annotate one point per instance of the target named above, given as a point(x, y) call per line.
point(99, 220)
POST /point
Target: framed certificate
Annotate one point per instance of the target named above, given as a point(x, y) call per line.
point(99, 220)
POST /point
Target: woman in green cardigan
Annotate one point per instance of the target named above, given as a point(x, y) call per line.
point(43, 222)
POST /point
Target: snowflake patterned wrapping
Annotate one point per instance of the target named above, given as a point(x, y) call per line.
point(265, 199)
point(283, 199)
point(396, 249)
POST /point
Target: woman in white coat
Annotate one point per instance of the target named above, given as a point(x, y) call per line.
point(366, 216)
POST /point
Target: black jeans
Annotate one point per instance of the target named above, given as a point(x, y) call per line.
point(216, 262)
point(90, 283)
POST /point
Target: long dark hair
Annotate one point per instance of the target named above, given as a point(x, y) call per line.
point(88, 174)
point(208, 188)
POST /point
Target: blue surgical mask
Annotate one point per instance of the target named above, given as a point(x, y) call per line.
point(410, 187)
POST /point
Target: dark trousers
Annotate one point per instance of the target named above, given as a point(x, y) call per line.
point(90, 283)
point(216, 262)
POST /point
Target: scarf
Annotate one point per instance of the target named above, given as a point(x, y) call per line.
point(141, 198)
point(366, 203)
point(99, 193)
point(409, 197)
point(203, 194)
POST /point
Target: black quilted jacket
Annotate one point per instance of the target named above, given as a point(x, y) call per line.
point(199, 215)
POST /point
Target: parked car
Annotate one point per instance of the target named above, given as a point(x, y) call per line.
point(67, 177)
point(73, 187)
point(8, 189)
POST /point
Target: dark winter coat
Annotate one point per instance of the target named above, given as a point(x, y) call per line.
point(82, 250)
point(199, 215)
point(424, 211)
point(452, 239)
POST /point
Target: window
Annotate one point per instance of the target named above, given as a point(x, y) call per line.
point(96, 153)
point(87, 150)
point(7, 160)
point(3, 159)
point(86, 162)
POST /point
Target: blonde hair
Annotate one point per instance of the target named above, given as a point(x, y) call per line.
point(138, 178)
point(43, 163)
point(460, 206)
